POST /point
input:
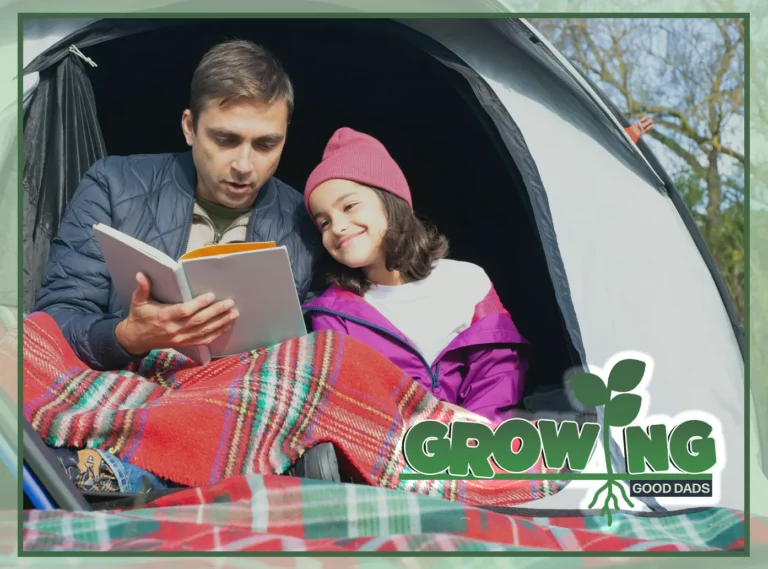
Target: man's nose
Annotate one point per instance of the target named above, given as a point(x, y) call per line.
point(243, 162)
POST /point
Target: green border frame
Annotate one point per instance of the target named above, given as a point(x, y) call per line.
point(154, 14)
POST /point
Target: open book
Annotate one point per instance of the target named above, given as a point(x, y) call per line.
point(256, 276)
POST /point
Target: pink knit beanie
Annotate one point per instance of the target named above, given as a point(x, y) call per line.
point(352, 155)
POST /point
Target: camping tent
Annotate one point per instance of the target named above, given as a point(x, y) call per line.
point(520, 161)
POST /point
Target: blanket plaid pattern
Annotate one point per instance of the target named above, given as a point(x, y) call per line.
point(275, 513)
point(254, 413)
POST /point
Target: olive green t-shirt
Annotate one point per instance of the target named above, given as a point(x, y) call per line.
point(221, 216)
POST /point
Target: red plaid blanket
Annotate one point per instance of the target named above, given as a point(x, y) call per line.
point(252, 413)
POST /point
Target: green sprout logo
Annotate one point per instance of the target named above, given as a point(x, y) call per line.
point(661, 462)
point(620, 411)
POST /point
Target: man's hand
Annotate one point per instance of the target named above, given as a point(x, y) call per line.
point(154, 326)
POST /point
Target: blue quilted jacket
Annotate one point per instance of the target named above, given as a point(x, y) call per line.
point(151, 198)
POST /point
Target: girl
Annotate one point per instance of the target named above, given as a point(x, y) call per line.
point(392, 287)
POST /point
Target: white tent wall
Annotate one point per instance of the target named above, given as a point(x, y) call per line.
point(637, 280)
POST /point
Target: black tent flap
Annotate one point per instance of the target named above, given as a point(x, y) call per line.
point(62, 140)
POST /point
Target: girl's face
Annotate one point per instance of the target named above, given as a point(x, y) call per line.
point(351, 220)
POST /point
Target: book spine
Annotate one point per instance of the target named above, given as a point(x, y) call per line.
point(181, 278)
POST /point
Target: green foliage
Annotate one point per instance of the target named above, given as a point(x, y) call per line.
point(758, 341)
point(724, 235)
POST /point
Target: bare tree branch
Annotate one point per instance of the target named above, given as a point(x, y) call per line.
point(688, 76)
point(727, 151)
point(681, 152)
point(684, 128)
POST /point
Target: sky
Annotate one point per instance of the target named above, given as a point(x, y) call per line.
point(652, 43)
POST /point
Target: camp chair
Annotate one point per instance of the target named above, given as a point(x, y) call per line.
point(45, 485)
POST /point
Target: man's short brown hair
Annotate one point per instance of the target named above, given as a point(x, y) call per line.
point(239, 69)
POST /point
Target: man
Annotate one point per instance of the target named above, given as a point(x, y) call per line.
point(222, 190)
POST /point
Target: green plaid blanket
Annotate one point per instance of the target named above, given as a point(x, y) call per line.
point(285, 514)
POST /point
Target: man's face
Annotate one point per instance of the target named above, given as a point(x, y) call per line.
point(236, 149)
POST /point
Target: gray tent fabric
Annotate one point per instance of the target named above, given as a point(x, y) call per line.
point(62, 139)
point(623, 285)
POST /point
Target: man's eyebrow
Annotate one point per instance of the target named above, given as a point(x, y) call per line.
point(221, 132)
point(224, 133)
point(274, 138)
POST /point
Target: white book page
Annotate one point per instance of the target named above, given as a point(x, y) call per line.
point(134, 243)
point(126, 256)
point(261, 284)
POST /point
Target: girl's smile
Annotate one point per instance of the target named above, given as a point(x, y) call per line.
point(352, 222)
point(347, 241)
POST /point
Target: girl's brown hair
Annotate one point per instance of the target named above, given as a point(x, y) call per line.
point(410, 246)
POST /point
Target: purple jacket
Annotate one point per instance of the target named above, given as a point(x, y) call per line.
point(480, 370)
